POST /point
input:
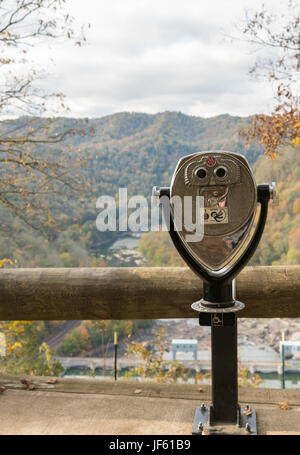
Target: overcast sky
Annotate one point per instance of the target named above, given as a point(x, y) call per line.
point(151, 56)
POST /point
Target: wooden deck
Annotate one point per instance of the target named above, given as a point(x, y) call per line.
point(96, 407)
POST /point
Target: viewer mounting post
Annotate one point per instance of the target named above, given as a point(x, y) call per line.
point(217, 189)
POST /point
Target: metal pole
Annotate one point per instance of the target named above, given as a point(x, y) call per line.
point(282, 361)
point(224, 369)
point(116, 353)
point(224, 412)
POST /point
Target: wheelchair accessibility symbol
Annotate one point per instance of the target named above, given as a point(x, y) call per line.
point(217, 319)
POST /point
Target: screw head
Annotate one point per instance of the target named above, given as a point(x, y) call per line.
point(248, 427)
point(200, 427)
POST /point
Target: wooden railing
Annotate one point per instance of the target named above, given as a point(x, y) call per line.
point(138, 293)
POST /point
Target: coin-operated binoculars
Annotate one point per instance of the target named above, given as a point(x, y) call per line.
point(213, 230)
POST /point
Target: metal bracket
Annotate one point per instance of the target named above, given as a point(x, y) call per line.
point(207, 307)
point(245, 425)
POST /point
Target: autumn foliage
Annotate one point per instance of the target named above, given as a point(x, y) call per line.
point(277, 36)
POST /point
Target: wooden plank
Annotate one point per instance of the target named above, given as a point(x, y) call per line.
point(138, 293)
point(72, 407)
point(185, 391)
point(41, 413)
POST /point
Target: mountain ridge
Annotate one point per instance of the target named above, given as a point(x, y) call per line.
point(124, 150)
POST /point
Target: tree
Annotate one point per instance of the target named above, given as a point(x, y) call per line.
point(154, 365)
point(22, 352)
point(156, 368)
point(279, 35)
point(26, 173)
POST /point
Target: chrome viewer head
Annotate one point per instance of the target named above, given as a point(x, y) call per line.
point(226, 183)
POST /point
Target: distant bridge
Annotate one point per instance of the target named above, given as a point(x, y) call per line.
point(97, 362)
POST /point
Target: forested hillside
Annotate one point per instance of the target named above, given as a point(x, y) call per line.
point(137, 151)
point(129, 150)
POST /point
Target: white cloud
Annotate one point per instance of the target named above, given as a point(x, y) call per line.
point(152, 56)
